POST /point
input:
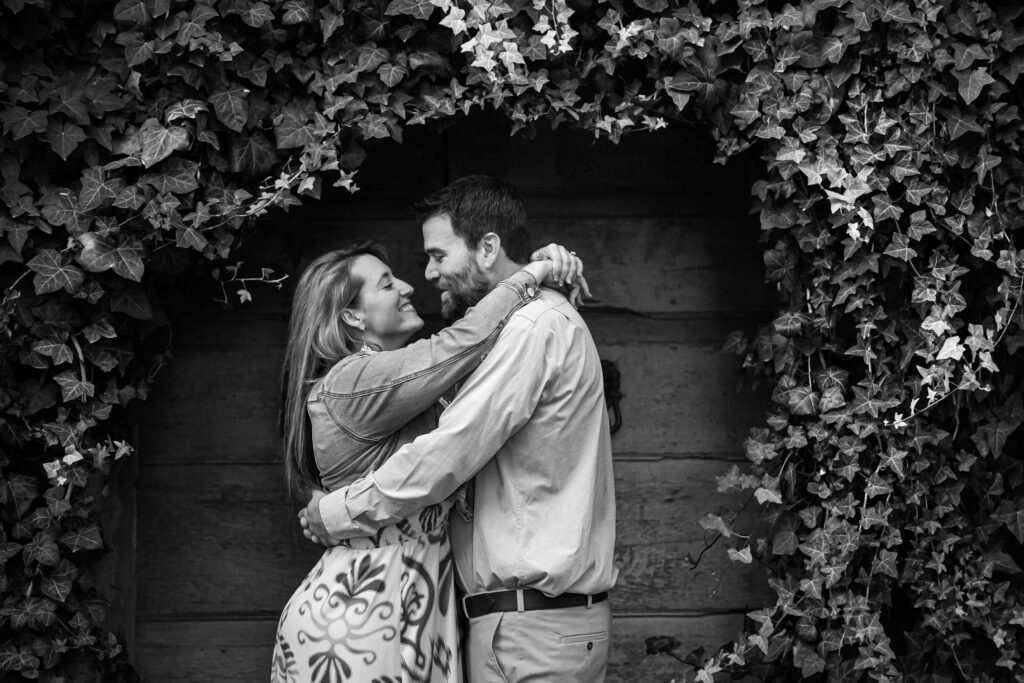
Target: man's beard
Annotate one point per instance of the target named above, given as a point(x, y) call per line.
point(462, 290)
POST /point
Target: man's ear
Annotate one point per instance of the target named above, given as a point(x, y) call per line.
point(488, 250)
point(352, 318)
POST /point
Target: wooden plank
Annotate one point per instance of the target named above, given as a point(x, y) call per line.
point(217, 401)
point(215, 651)
point(565, 173)
point(207, 534)
point(639, 263)
point(670, 171)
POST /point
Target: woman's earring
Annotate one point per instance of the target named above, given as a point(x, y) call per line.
point(364, 348)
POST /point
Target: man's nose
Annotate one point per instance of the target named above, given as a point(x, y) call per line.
point(430, 272)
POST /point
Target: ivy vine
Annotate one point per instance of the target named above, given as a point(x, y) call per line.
point(140, 136)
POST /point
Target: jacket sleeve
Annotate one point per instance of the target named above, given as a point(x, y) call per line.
point(373, 395)
point(493, 404)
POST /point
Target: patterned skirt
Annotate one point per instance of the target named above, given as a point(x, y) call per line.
point(376, 610)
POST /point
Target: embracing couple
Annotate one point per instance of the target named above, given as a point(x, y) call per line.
point(469, 474)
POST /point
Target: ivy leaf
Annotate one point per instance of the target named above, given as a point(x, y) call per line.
point(72, 387)
point(127, 260)
point(743, 556)
point(790, 324)
point(1014, 521)
point(175, 176)
point(184, 109)
point(369, 57)
point(137, 50)
point(330, 21)
point(58, 583)
point(131, 12)
point(132, 302)
point(35, 613)
point(88, 538)
point(296, 13)
point(900, 247)
point(97, 253)
point(252, 155)
point(99, 329)
point(255, 14)
point(21, 122)
point(292, 128)
point(418, 9)
point(768, 495)
point(64, 137)
point(42, 549)
point(97, 190)
point(158, 142)
point(53, 273)
point(965, 55)
point(713, 522)
point(897, 12)
point(231, 107)
point(52, 348)
point(131, 197)
point(392, 74)
point(972, 82)
point(803, 400)
point(784, 543)
point(22, 492)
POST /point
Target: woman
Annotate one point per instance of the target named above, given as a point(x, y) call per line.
point(381, 609)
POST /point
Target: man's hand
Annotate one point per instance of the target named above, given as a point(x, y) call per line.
point(312, 523)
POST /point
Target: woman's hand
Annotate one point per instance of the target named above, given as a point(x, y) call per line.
point(556, 266)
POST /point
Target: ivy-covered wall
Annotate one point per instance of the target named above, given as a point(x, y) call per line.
point(670, 249)
point(139, 136)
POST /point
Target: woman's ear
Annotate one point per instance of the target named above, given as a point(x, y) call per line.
point(352, 318)
point(488, 250)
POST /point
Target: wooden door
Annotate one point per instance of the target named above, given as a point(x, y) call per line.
point(674, 257)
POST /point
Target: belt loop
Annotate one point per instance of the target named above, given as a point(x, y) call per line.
point(520, 603)
point(590, 601)
point(465, 608)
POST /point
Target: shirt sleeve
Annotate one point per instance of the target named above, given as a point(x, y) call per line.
point(493, 404)
point(374, 395)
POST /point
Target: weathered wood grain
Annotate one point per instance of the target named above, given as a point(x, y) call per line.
point(222, 651)
point(565, 173)
point(224, 538)
point(217, 400)
point(668, 264)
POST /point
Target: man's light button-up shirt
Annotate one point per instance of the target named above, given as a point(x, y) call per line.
point(530, 423)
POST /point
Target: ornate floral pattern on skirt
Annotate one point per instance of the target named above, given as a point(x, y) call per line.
point(378, 610)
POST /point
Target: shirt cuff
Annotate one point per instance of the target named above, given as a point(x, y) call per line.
point(524, 284)
point(335, 515)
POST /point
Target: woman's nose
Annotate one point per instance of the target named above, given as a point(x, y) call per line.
point(405, 289)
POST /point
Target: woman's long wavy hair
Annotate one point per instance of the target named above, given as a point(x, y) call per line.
point(317, 339)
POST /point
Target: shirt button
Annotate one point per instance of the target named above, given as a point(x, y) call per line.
point(530, 291)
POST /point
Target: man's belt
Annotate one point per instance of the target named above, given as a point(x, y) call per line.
point(523, 600)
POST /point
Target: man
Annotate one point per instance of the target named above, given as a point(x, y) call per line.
point(536, 561)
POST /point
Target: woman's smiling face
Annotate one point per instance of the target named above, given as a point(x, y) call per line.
point(383, 304)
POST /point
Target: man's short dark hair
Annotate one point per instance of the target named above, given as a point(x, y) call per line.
point(477, 205)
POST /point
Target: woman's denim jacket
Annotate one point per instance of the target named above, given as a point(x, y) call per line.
point(370, 404)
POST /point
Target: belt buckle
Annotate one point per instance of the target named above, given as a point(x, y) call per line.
point(464, 606)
